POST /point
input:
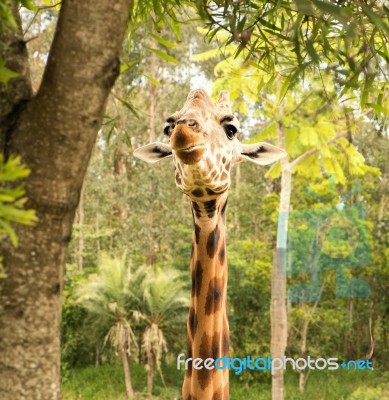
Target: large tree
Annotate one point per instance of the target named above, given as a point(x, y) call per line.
point(54, 132)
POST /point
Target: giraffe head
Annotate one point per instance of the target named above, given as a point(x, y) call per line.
point(204, 146)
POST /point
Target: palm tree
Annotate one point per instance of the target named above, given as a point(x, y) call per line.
point(110, 296)
point(163, 310)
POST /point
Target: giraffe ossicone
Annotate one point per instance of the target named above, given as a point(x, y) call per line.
point(204, 146)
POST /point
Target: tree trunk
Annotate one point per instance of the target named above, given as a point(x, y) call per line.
point(120, 171)
point(54, 133)
point(303, 353)
point(152, 116)
point(97, 355)
point(302, 381)
point(80, 221)
point(304, 335)
point(279, 325)
point(278, 322)
point(150, 372)
point(127, 375)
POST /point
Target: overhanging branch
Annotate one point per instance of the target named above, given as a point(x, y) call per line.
point(310, 152)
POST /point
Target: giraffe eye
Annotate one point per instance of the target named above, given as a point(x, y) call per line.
point(231, 130)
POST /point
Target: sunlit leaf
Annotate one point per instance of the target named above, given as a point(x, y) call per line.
point(163, 41)
point(378, 108)
point(129, 65)
point(153, 80)
point(29, 5)
point(163, 55)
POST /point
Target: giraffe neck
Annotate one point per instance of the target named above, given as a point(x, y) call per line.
point(208, 332)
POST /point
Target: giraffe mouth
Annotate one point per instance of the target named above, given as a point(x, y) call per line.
point(191, 154)
point(190, 149)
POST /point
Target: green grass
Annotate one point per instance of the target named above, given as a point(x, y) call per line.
point(106, 383)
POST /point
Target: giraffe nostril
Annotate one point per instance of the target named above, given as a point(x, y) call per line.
point(190, 122)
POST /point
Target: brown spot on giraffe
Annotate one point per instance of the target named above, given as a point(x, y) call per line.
point(210, 191)
point(198, 193)
point(226, 342)
point(197, 233)
point(224, 208)
point(222, 254)
point(204, 146)
point(197, 278)
point(209, 348)
point(213, 241)
point(214, 300)
point(196, 209)
point(192, 322)
point(210, 208)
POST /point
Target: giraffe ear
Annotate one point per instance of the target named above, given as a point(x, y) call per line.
point(262, 153)
point(154, 152)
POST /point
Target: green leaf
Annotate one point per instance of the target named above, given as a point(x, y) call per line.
point(175, 27)
point(268, 132)
point(12, 170)
point(269, 25)
point(163, 55)
point(129, 107)
point(305, 7)
point(312, 52)
point(285, 87)
point(384, 55)
point(12, 200)
point(6, 197)
point(163, 41)
point(152, 80)
point(157, 7)
point(6, 16)
point(5, 73)
point(274, 171)
point(128, 65)
point(308, 136)
point(7, 228)
point(341, 14)
point(29, 5)
point(376, 19)
point(378, 108)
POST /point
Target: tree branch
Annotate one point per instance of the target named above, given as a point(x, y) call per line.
point(310, 152)
point(18, 90)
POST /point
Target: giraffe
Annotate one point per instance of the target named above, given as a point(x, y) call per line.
point(204, 146)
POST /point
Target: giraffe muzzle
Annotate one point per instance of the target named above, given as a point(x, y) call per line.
point(186, 142)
